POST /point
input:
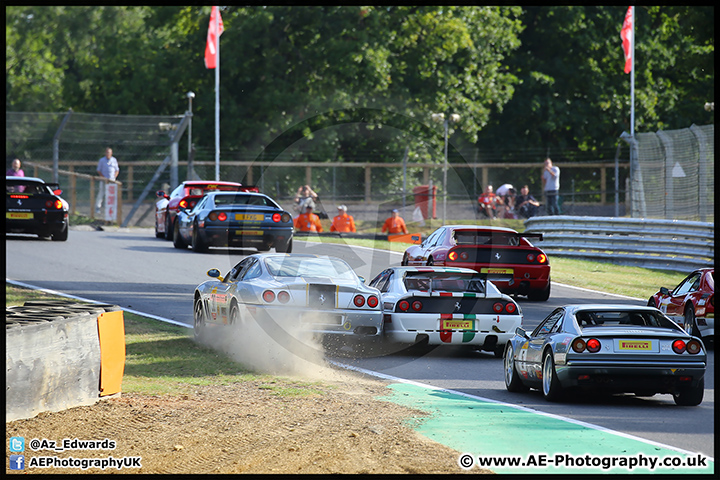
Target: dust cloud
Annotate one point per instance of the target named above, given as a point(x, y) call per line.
point(276, 344)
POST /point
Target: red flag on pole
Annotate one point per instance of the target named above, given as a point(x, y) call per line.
point(627, 35)
point(215, 29)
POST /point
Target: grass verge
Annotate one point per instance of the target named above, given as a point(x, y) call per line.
point(164, 359)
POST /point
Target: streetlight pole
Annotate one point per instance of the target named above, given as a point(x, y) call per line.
point(191, 168)
point(441, 117)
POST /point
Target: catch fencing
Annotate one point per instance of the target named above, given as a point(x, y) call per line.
point(673, 174)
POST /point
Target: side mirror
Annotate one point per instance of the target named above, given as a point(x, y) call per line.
point(521, 332)
point(362, 279)
point(214, 273)
point(161, 194)
point(664, 291)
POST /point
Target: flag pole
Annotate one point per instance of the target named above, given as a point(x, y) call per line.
point(632, 79)
point(217, 97)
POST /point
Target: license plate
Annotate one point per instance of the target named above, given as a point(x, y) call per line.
point(250, 217)
point(19, 215)
point(249, 232)
point(501, 271)
point(456, 324)
point(634, 345)
point(322, 318)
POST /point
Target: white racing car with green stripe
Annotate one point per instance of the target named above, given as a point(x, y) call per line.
point(445, 306)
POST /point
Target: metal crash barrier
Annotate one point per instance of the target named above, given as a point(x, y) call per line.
point(650, 243)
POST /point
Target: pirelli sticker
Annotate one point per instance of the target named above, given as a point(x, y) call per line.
point(635, 345)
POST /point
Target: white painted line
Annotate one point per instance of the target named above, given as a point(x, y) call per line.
point(61, 294)
point(510, 405)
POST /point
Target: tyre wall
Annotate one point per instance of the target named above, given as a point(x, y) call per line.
point(61, 355)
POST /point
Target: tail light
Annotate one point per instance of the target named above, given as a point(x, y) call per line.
point(192, 203)
point(452, 256)
point(678, 346)
point(19, 196)
point(56, 204)
point(464, 256)
point(372, 301)
point(510, 308)
point(359, 300)
point(404, 305)
point(276, 217)
point(539, 258)
point(498, 307)
point(183, 203)
point(268, 296)
point(283, 297)
point(693, 347)
point(221, 216)
point(578, 345)
point(417, 305)
point(593, 345)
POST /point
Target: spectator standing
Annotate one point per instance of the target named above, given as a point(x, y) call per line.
point(303, 195)
point(343, 222)
point(308, 221)
point(15, 170)
point(551, 186)
point(107, 168)
point(525, 204)
point(394, 224)
point(487, 202)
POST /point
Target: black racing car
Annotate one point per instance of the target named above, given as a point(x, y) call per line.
point(33, 206)
point(238, 219)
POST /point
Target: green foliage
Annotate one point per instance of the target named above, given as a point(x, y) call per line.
point(358, 84)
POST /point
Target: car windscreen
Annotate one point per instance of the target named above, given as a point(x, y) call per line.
point(472, 237)
point(30, 188)
point(258, 200)
point(623, 318)
point(333, 268)
point(447, 282)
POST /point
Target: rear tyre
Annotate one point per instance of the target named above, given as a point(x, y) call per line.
point(169, 227)
point(404, 260)
point(540, 295)
point(430, 262)
point(690, 323)
point(690, 397)
point(550, 384)
point(284, 247)
point(198, 320)
point(62, 235)
point(651, 302)
point(198, 245)
point(512, 379)
point(177, 239)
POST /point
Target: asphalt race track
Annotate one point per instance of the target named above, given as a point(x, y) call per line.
point(133, 269)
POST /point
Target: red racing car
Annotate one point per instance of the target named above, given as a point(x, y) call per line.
point(502, 255)
point(186, 195)
point(691, 303)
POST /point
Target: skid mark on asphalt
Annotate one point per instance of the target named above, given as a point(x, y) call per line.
point(471, 425)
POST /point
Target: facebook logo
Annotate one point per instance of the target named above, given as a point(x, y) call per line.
point(17, 462)
point(17, 444)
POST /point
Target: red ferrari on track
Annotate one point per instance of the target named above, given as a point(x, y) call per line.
point(502, 255)
point(186, 195)
point(691, 303)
